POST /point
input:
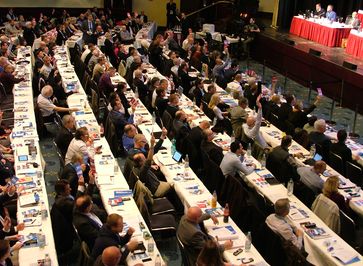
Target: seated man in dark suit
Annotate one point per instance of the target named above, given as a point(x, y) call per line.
point(196, 134)
point(181, 129)
point(109, 235)
point(321, 141)
point(214, 152)
point(341, 149)
point(281, 163)
point(161, 102)
point(191, 235)
point(120, 118)
point(87, 222)
point(65, 135)
point(172, 107)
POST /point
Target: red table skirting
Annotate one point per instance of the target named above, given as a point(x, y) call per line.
point(318, 33)
point(360, 16)
point(355, 45)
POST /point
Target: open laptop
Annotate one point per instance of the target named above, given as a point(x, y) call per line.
point(165, 158)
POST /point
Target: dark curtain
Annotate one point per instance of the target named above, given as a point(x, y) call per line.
point(289, 8)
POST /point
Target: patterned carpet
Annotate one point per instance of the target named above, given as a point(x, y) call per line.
point(168, 246)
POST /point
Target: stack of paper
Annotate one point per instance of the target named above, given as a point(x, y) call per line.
point(223, 233)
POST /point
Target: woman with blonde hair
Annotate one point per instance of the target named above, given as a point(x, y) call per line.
point(330, 190)
point(223, 123)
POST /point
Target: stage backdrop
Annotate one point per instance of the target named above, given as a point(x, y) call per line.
point(52, 3)
point(154, 9)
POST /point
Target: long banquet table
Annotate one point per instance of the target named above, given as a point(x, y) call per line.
point(24, 134)
point(325, 34)
point(109, 177)
point(355, 44)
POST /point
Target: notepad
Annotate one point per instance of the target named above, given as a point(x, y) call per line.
point(345, 256)
point(223, 233)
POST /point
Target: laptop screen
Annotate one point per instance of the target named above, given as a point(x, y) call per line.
point(317, 157)
point(177, 156)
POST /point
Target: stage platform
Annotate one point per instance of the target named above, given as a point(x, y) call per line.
point(289, 55)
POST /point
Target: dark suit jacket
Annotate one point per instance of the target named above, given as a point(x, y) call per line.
point(192, 237)
point(70, 174)
point(85, 26)
point(87, 228)
point(343, 151)
point(185, 81)
point(63, 138)
point(107, 238)
point(61, 37)
point(198, 95)
point(161, 104)
point(196, 136)
point(214, 152)
point(141, 88)
point(322, 143)
point(172, 110)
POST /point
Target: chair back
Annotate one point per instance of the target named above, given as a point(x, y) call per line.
point(347, 229)
point(60, 158)
point(2, 88)
point(111, 137)
point(213, 177)
point(63, 242)
point(304, 193)
point(207, 111)
point(354, 173)
point(184, 256)
point(167, 120)
point(85, 256)
point(336, 162)
point(269, 245)
point(328, 211)
point(274, 119)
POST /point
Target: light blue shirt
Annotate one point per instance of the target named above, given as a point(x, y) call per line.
point(331, 15)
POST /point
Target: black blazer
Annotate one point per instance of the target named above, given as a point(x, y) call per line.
point(87, 228)
point(214, 152)
point(63, 138)
point(107, 238)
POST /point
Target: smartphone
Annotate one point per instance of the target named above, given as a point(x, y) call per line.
point(320, 92)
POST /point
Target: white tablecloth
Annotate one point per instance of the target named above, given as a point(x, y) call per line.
point(24, 122)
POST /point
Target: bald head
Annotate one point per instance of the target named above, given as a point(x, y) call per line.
point(251, 121)
point(111, 256)
point(193, 214)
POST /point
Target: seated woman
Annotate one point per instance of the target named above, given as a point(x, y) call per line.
point(330, 190)
point(223, 123)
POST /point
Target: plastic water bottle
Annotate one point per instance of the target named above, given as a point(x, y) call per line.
point(248, 242)
point(186, 167)
point(263, 161)
point(290, 187)
point(248, 149)
point(173, 146)
point(41, 239)
point(47, 260)
point(43, 210)
point(150, 246)
point(312, 151)
point(158, 260)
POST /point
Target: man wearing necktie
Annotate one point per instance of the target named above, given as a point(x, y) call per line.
point(85, 219)
point(88, 28)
